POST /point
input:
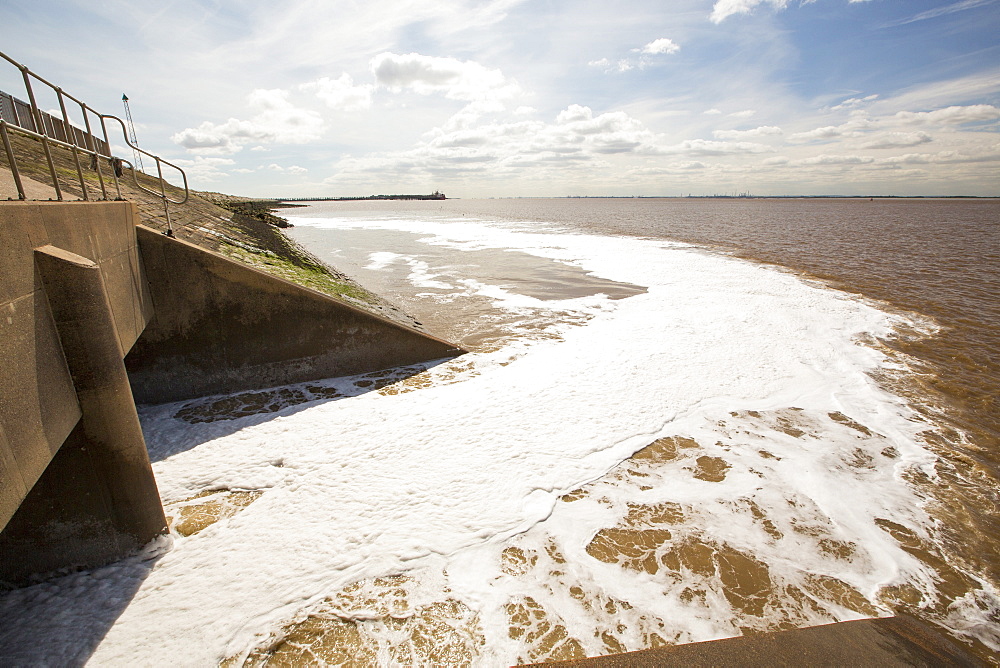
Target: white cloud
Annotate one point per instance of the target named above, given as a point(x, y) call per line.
point(988, 154)
point(936, 94)
point(658, 47)
point(955, 115)
point(205, 169)
point(746, 113)
point(472, 112)
point(826, 159)
point(277, 121)
point(623, 65)
point(341, 93)
point(762, 131)
point(825, 132)
point(723, 9)
point(454, 79)
point(854, 102)
point(852, 128)
point(293, 169)
point(712, 112)
point(898, 140)
point(661, 46)
point(574, 113)
point(704, 147)
point(516, 148)
point(613, 132)
point(940, 11)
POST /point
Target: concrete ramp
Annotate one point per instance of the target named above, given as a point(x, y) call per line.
point(878, 643)
point(221, 326)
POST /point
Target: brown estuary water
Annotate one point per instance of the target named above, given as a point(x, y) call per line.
point(679, 420)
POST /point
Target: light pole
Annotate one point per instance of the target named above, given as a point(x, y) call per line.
point(131, 129)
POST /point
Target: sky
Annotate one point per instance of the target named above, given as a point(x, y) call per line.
point(518, 98)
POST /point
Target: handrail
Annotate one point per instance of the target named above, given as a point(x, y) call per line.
point(40, 131)
point(159, 162)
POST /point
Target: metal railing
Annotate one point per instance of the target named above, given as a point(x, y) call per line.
point(26, 119)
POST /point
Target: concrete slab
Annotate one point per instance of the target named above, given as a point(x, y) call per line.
point(18, 274)
point(38, 402)
point(220, 326)
point(72, 227)
point(118, 279)
point(881, 643)
point(39, 407)
point(34, 190)
point(14, 489)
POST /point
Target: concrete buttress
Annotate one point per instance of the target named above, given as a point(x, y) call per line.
point(97, 313)
point(97, 499)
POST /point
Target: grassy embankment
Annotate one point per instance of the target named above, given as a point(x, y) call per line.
point(241, 228)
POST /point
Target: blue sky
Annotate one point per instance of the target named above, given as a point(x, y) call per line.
point(482, 98)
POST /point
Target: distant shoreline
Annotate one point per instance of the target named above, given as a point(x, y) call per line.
point(291, 202)
point(435, 196)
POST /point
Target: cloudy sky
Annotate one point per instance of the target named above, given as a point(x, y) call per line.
point(483, 98)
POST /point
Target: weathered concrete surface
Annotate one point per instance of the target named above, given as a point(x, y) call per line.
point(887, 642)
point(78, 486)
point(220, 326)
point(32, 189)
point(38, 402)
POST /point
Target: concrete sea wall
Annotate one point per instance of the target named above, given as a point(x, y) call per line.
point(220, 326)
point(81, 285)
point(76, 480)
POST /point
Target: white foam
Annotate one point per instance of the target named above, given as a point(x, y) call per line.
point(373, 485)
point(381, 260)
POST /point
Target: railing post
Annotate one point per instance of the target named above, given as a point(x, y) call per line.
point(37, 116)
point(163, 195)
point(114, 174)
point(92, 145)
point(76, 150)
point(11, 160)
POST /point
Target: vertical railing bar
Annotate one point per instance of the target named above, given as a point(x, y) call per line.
point(13, 162)
point(114, 174)
point(40, 126)
point(92, 145)
point(163, 193)
point(76, 150)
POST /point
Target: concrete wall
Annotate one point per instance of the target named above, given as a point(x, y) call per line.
point(77, 485)
point(38, 402)
point(80, 286)
point(220, 326)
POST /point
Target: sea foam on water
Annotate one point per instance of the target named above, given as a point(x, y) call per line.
point(709, 457)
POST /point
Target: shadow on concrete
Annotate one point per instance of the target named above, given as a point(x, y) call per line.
point(209, 418)
point(61, 622)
